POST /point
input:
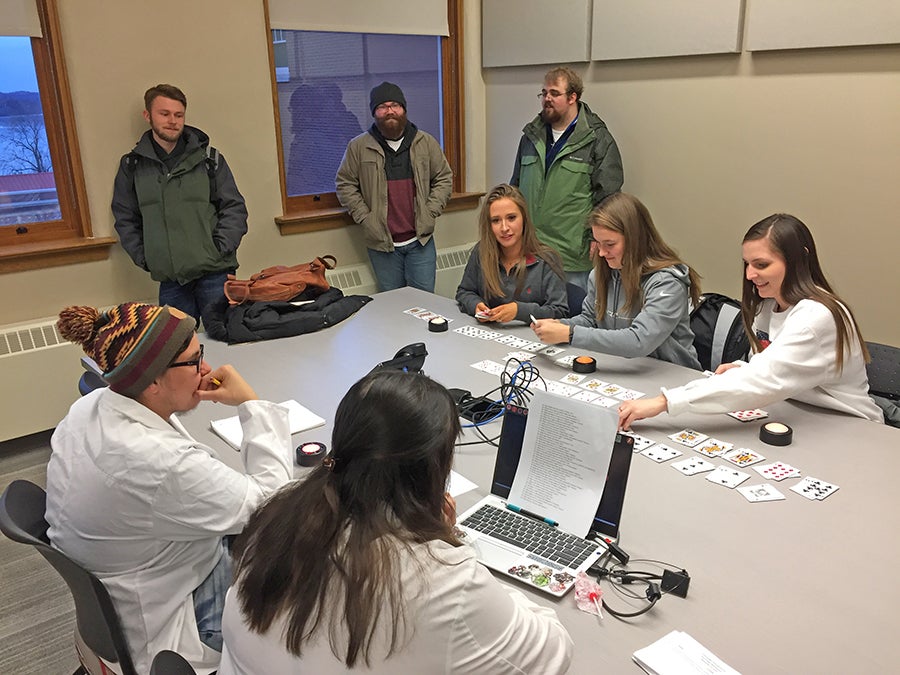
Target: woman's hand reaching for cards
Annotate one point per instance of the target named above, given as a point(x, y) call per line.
point(639, 409)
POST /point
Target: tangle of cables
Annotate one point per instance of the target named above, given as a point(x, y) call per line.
point(516, 381)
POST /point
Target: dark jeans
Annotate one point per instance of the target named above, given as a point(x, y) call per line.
point(193, 296)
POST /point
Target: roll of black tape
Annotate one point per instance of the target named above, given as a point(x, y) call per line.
point(310, 454)
point(438, 325)
point(584, 364)
point(776, 433)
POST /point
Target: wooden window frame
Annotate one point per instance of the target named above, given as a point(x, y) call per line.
point(310, 213)
point(69, 239)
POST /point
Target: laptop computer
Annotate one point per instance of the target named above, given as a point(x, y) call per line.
point(526, 547)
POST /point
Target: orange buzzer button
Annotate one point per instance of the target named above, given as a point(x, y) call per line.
point(584, 364)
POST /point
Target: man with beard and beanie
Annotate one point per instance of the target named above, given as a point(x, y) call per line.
point(178, 212)
point(395, 181)
point(132, 497)
point(567, 162)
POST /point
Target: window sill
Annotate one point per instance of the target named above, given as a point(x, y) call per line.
point(38, 255)
point(333, 218)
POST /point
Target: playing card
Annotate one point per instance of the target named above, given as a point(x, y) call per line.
point(533, 347)
point(814, 489)
point(629, 395)
point(505, 339)
point(760, 493)
point(488, 366)
point(561, 388)
point(693, 465)
point(594, 384)
point(551, 351)
point(743, 457)
point(521, 356)
point(640, 442)
point(661, 453)
point(572, 378)
point(777, 471)
point(730, 478)
point(566, 361)
point(428, 316)
point(585, 395)
point(748, 415)
point(415, 311)
point(518, 343)
point(689, 437)
point(606, 402)
point(713, 447)
point(610, 389)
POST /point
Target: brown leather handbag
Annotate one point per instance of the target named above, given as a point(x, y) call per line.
point(279, 282)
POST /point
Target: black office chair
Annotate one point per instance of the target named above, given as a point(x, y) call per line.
point(884, 370)
point(91, 378)
point(575, 295)
point(22, 508)
point(171, 663)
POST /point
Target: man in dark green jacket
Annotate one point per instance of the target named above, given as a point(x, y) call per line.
point(567, 162)
point(178, 212)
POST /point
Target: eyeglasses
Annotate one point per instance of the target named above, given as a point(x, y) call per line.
point(388, 107)
point(193, 362)
point(552, 93)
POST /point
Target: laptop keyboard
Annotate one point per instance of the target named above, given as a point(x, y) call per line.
point(531, 535)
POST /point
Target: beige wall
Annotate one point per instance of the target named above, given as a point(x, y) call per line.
point(216, 52)
point(714, 144)
point(711, 144)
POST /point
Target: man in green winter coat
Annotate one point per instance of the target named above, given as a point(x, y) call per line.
point(567, 162)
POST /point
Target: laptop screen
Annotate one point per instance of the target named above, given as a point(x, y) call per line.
point(609, 513)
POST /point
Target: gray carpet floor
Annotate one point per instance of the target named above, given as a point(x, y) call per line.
point(37, 617)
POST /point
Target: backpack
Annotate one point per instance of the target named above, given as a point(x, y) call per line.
point(719, 335)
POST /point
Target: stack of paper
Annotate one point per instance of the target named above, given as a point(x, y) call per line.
point(301, 419)
point(679, 654)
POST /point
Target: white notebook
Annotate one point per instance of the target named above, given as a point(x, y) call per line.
point(301, 419)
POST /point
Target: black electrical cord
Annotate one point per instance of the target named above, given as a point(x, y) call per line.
point(619, 578)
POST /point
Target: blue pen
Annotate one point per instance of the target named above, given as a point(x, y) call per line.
point(519, 509)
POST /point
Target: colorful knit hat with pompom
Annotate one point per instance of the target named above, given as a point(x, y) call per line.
point(132, 343)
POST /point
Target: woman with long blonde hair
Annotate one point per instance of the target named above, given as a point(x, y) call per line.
point(639, 294)
point(510, 274)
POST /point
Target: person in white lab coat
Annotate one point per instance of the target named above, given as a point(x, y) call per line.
point(359, 568)
point(137, 501)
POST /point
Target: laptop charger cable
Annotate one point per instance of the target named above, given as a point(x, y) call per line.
point(675, 581)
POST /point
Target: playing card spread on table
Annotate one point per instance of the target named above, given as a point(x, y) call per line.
point(777, 471)
point(566, 361)
point(561, 388)
point(743, 457)
point(640, 442)
point(760, 493)
point(521, 356)
point(693, 465)
point(606, 402)
point(585, 395)
point(489, 366)
point(572, 378)
point(629, 395)
point(551, 351)
point(748, 415)
point(661, 453)
point(689, 437)
point(594, 384)
point(730, 478)
point(814, 489)
point(713, 447)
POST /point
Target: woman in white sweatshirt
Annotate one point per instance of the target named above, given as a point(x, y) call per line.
point(805, 340)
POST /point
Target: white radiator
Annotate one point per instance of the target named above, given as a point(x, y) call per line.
point(39, 370)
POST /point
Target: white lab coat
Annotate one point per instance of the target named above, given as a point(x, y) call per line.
point(459, 619)
point(137, 501)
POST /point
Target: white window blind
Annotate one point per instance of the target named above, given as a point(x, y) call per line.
point(423, 17)
point(19, 17)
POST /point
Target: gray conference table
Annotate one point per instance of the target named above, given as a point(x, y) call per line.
point(792, 586)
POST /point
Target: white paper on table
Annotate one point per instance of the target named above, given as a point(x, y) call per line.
point(300, 419)
point(679, 654)
point(459, 484)
point(565, 459)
